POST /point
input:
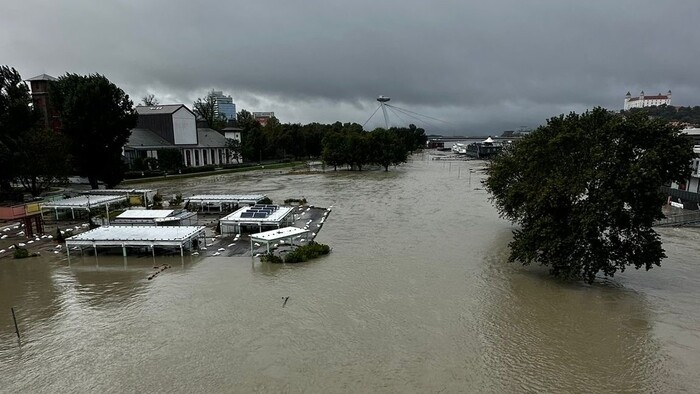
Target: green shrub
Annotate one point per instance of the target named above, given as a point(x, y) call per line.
point(177, 201)
point(271, 258)
point(307, 252)
point(21, 253)
point(265, 200)
point(157, 201)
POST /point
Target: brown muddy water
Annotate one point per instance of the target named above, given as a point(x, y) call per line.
point(416, 296)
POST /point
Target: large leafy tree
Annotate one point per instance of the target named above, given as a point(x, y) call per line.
point(585, 191)
point(253, 141)
point(29, 154)
point(97, 118)
point(17, 117)
point(387, 148)
point(43, 158)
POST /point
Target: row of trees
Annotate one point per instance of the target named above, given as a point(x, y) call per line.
point(356, 148)
point(338, 144)
point(685, 115)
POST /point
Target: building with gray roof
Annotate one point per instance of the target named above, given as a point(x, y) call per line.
point(174, 127)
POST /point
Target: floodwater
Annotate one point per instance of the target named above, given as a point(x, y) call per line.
point(416, 296)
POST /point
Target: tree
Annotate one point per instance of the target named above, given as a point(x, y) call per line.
point(233, 147)
point(29, 154)
point(205, 109)
point(42, 160)
point(149, 100)
point(17, 117)
point(170, 159)
point(97, 118)
point(387, 148)
point(253, 140)
point(585, 190)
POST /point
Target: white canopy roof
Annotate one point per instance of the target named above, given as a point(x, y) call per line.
point(281, 233)
point(136, 236)
point(274, 217)
point(225, 198)
point(488, 140)
point(85, 201)
point(118, 191)
point(145, 213)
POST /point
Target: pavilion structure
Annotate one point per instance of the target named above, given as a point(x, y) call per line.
point(286, 233)
point(134, 196)
point(259, 215)
point(83, 203)
point(179, 237)
point(221, 202)
point(156, 217)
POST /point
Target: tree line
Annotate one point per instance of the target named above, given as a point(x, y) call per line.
point(95, 118)
point(684, 115)
point(337, 144)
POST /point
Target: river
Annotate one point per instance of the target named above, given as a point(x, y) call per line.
point(416, 296)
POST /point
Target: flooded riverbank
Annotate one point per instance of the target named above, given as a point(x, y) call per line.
point(416, 296)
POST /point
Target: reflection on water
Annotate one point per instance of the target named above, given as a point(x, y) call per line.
point(549, 335)
point(416, 296)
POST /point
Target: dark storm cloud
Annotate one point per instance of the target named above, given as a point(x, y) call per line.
point(481, 66)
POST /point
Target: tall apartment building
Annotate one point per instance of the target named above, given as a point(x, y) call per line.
point(223, 105)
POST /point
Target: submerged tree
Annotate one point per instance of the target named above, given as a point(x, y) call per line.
point(585, 190)
point(97, 118)
point(387, 148)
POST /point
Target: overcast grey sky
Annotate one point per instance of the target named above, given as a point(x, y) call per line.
point(483, 66)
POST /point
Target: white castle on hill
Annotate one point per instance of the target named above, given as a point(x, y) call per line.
point(646, 101)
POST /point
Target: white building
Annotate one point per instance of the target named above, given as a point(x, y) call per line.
point(646, 101)
point(174, 127)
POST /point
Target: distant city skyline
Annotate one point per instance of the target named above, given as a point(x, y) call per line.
point(481, 67)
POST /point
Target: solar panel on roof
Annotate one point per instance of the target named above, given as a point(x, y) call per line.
point(247, 214)
point(260, 215)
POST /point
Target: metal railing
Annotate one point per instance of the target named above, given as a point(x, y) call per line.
point(685, 219)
